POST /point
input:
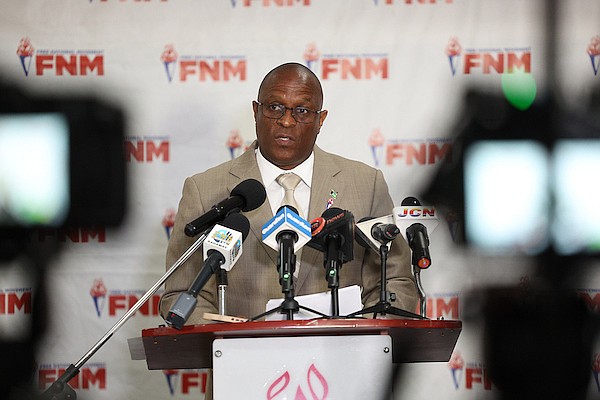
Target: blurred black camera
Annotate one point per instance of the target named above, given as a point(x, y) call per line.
point(61, 161)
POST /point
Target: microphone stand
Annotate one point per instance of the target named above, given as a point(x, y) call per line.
point(384, 307)
point(286, 265)
point(333, 263)
point(60, 390)
point(221, 276)
point(421, 291)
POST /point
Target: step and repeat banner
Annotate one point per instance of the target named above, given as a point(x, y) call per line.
point(184, 72)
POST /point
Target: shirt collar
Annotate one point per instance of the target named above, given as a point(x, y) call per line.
point(270, 172)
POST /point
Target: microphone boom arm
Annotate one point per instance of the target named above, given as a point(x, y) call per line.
point(56, 390)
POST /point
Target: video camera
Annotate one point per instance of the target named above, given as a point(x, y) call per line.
point(61, 162)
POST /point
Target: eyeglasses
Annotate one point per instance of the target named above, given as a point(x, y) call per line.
point(301, 114)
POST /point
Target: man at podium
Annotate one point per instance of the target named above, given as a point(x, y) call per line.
point(288, 115)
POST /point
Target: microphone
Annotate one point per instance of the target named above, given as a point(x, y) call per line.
point(384, 233)
point(418, 240)
point(222, 249)
point(334, 222)
point(286, 220)
point(415, 221)
point(287, 233)
point(247, 196)
point(364, 231)
point(226, 240)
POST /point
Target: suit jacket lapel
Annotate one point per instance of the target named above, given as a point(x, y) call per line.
point(245, 167)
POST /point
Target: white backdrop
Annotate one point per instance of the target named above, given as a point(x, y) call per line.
point(186, 71)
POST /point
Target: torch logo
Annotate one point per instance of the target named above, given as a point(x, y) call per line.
point(169, 58)
point(456, 365)
point(311, 55)
point(593, 51)
point(25, 53)
point(168, 221)
point(376, 142)
point(453, 51)
point(234, 142)
point(98, 293)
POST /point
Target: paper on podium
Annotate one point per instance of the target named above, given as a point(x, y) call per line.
point(349, 302)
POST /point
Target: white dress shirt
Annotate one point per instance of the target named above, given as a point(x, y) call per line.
point(275, 192)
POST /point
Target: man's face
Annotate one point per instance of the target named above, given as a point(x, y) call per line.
point(285, 142)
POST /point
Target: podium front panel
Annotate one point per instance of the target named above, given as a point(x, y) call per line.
point(312, 367)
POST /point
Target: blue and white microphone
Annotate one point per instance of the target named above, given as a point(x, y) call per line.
point(286, 220)
point(287, 233)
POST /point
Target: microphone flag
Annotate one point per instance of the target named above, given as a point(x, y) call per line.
point(405, 216)
point(286, 220)
point(226, 241)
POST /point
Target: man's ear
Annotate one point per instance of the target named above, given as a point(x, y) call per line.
point(322, 116)
point(255, 108)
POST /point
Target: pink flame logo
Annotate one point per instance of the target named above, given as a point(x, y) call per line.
point(317, 385)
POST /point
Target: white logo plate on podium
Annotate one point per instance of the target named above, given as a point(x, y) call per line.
point(311, 367)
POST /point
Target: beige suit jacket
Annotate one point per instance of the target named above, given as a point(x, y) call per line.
point(254, 279)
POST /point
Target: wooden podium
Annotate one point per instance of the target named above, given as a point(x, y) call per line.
point(370, 345)
point(191, 347)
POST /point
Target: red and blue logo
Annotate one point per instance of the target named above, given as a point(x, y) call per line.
point(168, 221)
point(121, 301)
point(98, 293)
point(59, 62)
point(468, 375)
point(593, 51)
point(202, 68)
point(431, 151)
point(486, 60)
point(346, 66)
point(236, 144)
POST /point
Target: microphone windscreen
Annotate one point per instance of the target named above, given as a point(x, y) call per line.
point(292, 208)
point(410, 201)
point(238, 222)
point(331, 212)
point(252, 191)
